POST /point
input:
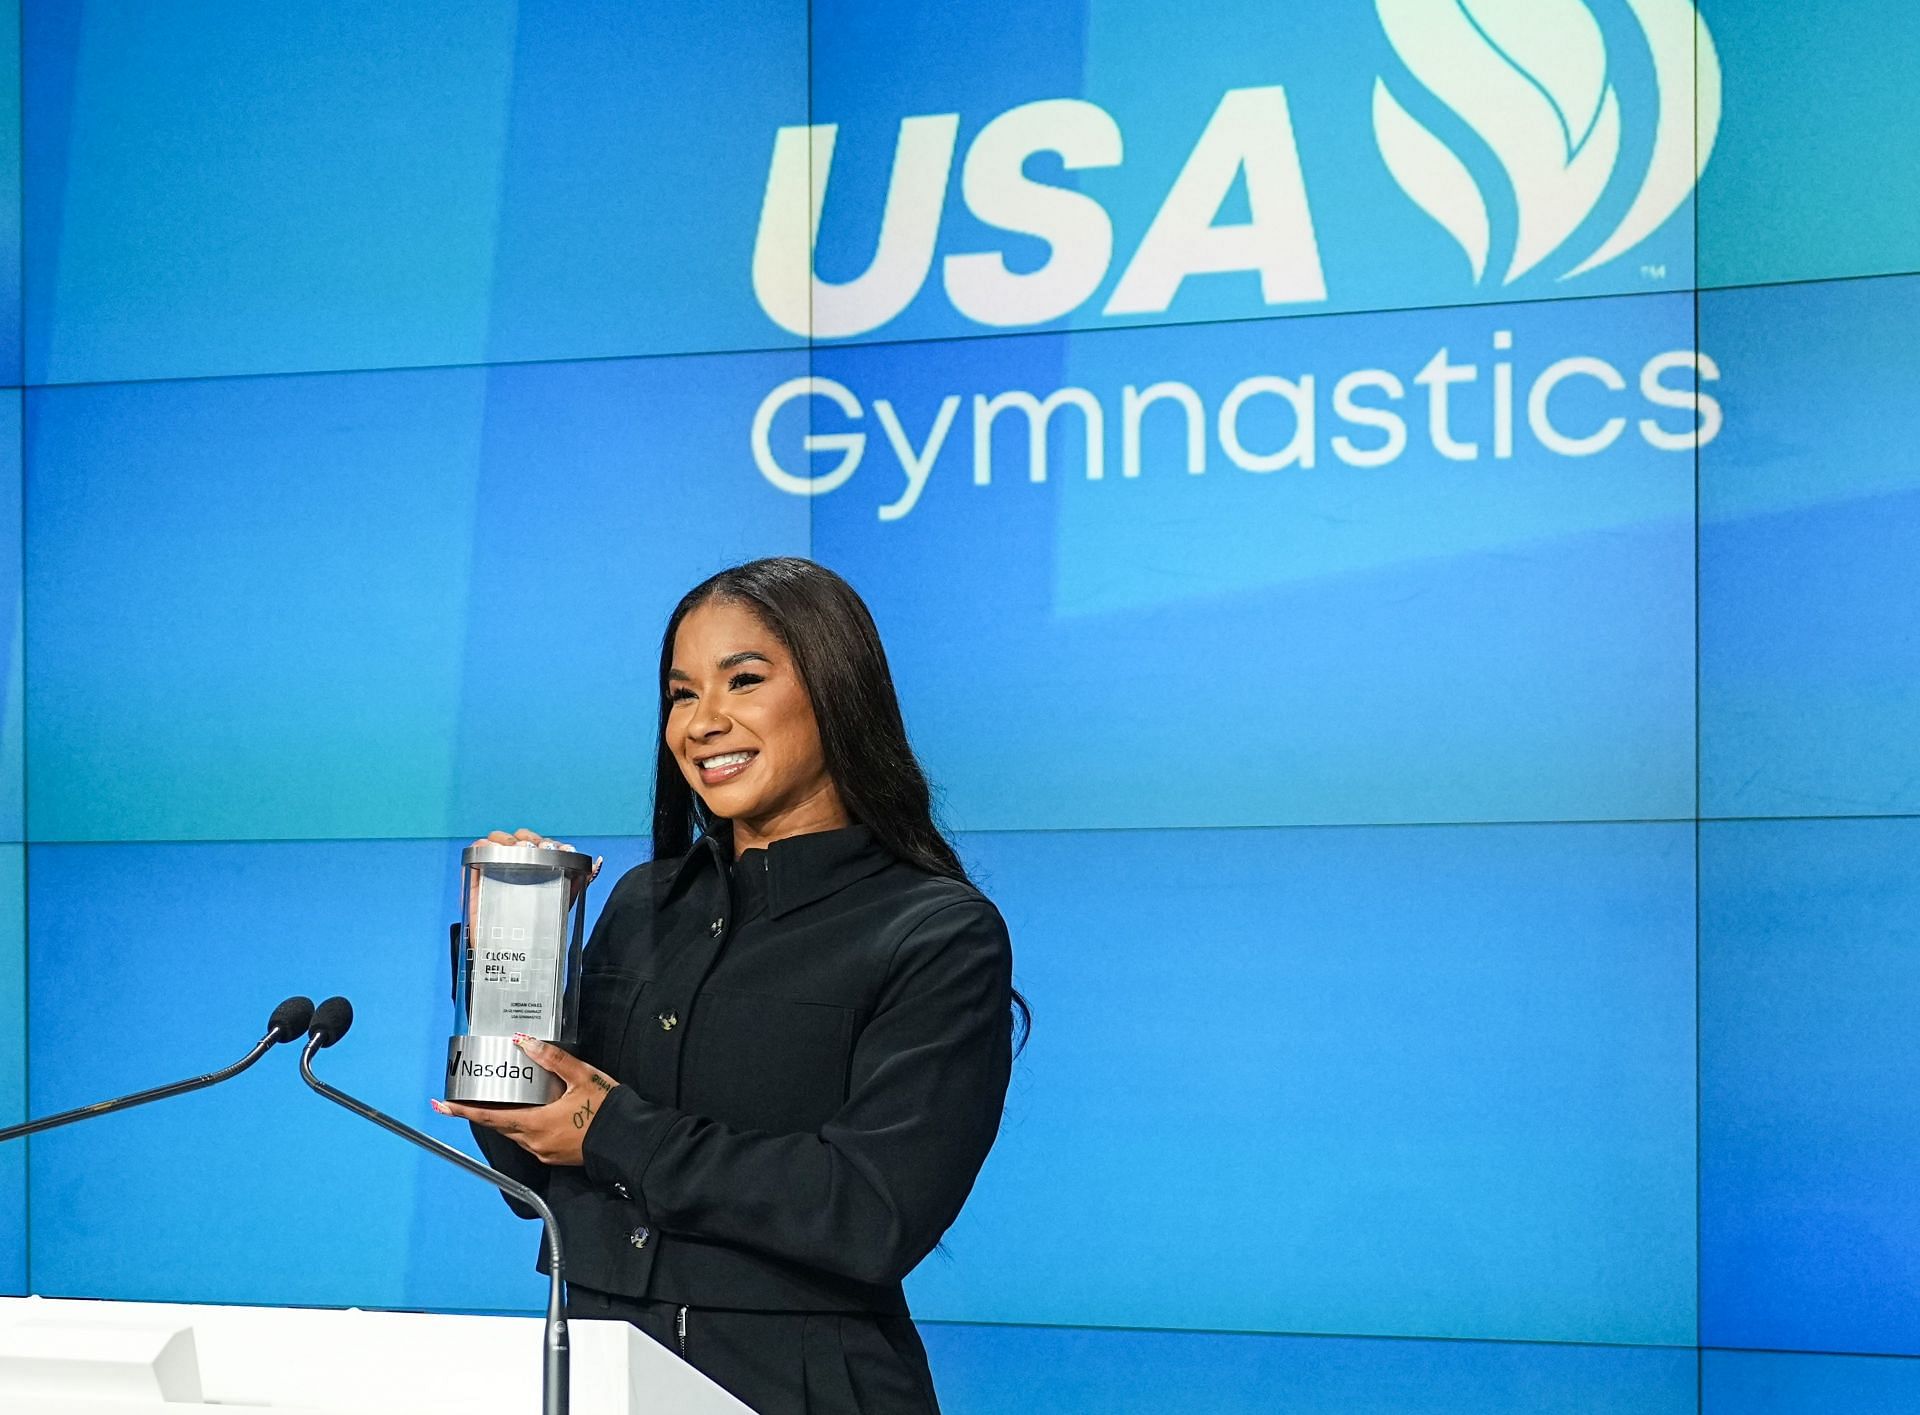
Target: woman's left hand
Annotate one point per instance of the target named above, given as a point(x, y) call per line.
point(552, 1133)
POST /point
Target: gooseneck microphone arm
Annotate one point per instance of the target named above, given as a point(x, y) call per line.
point(330, 1023)
point(289, 1020)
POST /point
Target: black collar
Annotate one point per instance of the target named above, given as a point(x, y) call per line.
point(800, 868)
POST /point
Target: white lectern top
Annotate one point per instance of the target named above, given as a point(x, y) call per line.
point(71, 1357)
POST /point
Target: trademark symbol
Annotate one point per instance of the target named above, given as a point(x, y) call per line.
point(1654, 272)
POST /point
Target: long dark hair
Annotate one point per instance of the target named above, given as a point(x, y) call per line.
point(824, 624)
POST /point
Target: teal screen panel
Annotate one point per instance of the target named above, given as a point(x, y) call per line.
point(476, 183)
point(991, 1370)
point(1816, 171)
point(1810, 553)
point(1430, 1081)
point(328, 606)
point(13, 1069)
point(1806, 1383)
point(1810, 979)
point(13, 762)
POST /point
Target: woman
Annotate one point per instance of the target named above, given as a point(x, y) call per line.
point(796, 1026)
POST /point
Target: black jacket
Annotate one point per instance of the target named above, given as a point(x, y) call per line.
point(813, 1045)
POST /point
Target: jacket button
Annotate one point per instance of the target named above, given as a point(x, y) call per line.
point(638, 1238)
point(668, 1021)
point(715, 927)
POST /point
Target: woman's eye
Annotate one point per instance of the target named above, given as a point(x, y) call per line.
point(739, 680)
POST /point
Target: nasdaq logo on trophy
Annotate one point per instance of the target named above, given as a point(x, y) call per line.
point(516, 964)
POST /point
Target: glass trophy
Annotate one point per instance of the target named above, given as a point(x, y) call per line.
point(516, 964)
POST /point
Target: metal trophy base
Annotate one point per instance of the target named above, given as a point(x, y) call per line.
point(494, 1069)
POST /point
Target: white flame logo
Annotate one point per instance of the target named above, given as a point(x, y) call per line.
point(1530, 77)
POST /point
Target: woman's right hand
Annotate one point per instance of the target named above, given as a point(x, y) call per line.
point(523, 836)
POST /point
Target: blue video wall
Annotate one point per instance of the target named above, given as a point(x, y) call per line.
point(1395, 526)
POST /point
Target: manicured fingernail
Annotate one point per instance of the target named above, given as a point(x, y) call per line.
point(437, 1106)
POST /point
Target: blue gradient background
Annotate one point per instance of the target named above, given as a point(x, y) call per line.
point(1469, 906)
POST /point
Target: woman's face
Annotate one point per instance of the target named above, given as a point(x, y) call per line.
point(742, 729)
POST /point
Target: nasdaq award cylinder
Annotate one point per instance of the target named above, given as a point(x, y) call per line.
point(515, 964)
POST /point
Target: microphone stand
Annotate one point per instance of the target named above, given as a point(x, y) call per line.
point(158, 1093)
point(555, 1395)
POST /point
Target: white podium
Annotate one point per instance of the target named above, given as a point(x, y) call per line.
point(65, 1357)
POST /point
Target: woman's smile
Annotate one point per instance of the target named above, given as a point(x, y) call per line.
point(724, 767)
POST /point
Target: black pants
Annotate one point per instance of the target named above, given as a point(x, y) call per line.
point(787, 1363)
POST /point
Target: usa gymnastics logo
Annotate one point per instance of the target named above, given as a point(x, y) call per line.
point(1530, 79)
point(1542, 155)
point(1530, 82)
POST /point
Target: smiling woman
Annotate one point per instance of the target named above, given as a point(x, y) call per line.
point(741, 729)
point(797, 1020)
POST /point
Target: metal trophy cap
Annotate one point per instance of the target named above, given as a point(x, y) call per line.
point(567, 862)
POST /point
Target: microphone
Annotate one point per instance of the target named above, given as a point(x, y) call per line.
point(288, 1021)
point(331, 1020)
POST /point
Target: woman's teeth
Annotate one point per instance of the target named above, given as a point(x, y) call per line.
point(727, 765)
